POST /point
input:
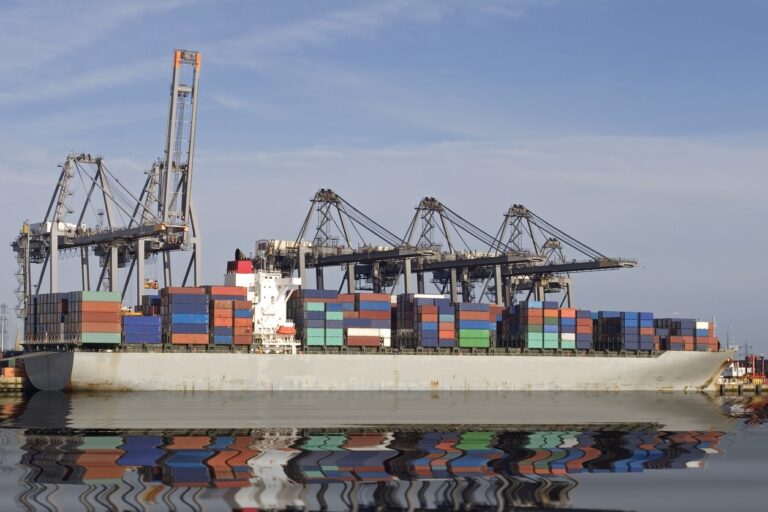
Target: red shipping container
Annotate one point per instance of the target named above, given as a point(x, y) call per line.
point(101, 307)
point(427, 309)
point(242, 340)
point(95, 316)
point(242, 331)
point(567, 313)
point(346, 298)
point(650, 331)
point(446, 334)
point(242, 304)
point(351, 314)
point(363, 341)
point(222, 322)
point(242, 322)
point(222, 313)
point(222, 304)
point(376, 315)
point(428, 317)
point(584, 322)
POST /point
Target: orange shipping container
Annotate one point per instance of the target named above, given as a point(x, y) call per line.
point(472, 315)
point(97, 326)
point(222, 313)
point(226, 290)
point(223, 304)
point(376, 297)
point(242, 304)
point(90, 316)
point(375, 315)
point(242, 322)
point(190, 339)
point(428, 317)
point(346, 298)
point(222, 322)
point(101, 307)
point(567, 313)
point(242, 331)
point(550, 313)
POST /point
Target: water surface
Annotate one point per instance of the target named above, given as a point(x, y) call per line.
point(401, 451)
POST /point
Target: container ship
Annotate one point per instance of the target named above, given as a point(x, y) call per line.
point(490, 328)
point(261, 331)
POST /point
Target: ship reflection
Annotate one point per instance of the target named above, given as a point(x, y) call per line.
point(322, 469)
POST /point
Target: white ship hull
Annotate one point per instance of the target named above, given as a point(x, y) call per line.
point(134, 371)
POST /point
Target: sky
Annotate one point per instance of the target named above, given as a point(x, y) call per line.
point(638, 127)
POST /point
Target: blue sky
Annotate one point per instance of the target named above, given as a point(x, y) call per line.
point(636, 126)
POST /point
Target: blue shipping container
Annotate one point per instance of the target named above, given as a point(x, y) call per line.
point(189, 319)
point(189, 328)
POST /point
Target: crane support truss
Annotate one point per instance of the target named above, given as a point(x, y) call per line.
point(129, 229)
point(438, 242)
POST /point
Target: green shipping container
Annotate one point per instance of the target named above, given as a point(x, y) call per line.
point(474, 333)
point(535, 329)
point(315, 332)
point(334, 342)
point(568, 344)
point(474, 342)
point(551, 344)
point(334, 333)
point(314, 306)
point(100, 337)
point(534, 344)
point(552, 336)
point(315, 341)
point(550, 320)
point(334, 315)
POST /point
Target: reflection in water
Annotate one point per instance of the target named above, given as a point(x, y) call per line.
point(425, 468)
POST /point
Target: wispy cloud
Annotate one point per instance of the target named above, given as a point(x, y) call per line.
point(37, 32)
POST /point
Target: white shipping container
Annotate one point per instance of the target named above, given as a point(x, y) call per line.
point(702, 325)
point(363, 331)
point(568, 336)
point(387, 342)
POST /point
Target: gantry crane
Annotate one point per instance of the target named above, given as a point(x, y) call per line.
point(129, 229)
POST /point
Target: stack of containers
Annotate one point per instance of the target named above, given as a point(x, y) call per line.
point(507, 328)
point(705, 337)
point(185, 315)
point(91, 317)
point(530, 324)
point(150, 305)
point(307, 310)
point(608, 332)
point(242, 324)
point(567, 328)
point(417, 317)
point(372, 326)
point(222, 322)
point(629, 330)
point(496, 315)
point(142, 329)
point(227, 322)
point(551, 320)
point(473, 324)
point(648, 340)
point(334, 324)
point(682, 333)
point(584, 329)
point(446, 325)
point(427, 316)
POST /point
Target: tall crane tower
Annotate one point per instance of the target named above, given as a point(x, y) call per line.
point(129, 229)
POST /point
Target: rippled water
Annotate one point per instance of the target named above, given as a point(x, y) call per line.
point(364, 451)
